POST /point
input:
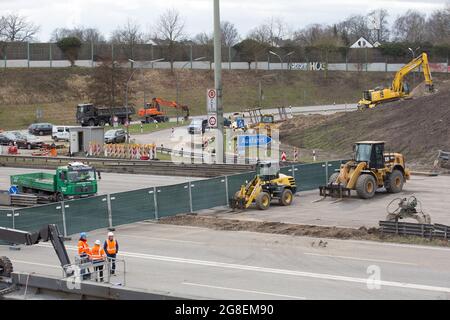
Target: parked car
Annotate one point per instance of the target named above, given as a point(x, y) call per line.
point(6, 139)
point(41, 129)
point(61, 133)
point(27, 141)
point(197, 126)
point(115, 136)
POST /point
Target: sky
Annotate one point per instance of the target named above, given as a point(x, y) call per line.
point(106, 15)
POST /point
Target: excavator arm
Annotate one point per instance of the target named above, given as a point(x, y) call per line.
point(172, 104)
point(49, 233)
point(422, 60)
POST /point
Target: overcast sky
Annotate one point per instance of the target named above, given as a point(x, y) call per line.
point(245, 14)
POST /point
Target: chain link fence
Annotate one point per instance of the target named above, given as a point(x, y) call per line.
point(112, 210)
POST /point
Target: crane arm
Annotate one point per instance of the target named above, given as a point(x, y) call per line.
point(397, 84)
point(49, 233)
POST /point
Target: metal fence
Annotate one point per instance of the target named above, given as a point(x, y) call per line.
point(23, 54)
point(111, 210)
point(430, 231)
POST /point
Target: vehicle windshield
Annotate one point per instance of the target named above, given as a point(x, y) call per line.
point(81, 175)
point(196, 122)
point(110, 133)
point(267, 119)
point(363, 152)
point(266, 170)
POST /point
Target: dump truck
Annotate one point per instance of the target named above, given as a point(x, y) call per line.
point(90, 115)
point(73, 181)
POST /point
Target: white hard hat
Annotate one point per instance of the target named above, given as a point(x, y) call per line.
point(98, 242)
point(110, 234)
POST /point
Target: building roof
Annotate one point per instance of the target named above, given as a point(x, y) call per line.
point(361, 43)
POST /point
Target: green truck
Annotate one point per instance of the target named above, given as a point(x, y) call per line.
point(75, 180)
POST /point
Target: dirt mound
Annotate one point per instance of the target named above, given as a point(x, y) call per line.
point(416, 127)
point(223, 224)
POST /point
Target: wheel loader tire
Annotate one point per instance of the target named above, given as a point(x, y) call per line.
point(263, 201)
point(366, 186)
point(6, 267)
point(286, 197)
point(333, 177)
point(395, 182)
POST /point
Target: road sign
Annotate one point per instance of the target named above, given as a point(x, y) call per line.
point(211, 101)
point(240, 123)
point(253, 140)
point(212, 121)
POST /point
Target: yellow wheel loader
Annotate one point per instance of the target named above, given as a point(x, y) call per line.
point(371, 168)
point(268, 184)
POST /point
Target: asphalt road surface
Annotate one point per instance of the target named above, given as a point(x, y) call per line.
point(201, 263)
point(432, 192)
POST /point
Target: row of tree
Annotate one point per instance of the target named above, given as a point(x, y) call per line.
point(169, 31)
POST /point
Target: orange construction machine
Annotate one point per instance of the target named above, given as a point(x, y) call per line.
point(152, 111)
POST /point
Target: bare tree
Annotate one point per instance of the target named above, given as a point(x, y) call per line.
point(438, 27)
point(130, 34)
point(17, 28)
point(379, 19)
point(230, 35)
point(272, 32)
point(170, 30)
point(317, 35)
point(410, 27)
point(353, 28)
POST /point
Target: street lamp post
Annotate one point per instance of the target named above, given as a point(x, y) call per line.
point(413, 53)
point(126, 92)
point(178, 83)
point(281, 60)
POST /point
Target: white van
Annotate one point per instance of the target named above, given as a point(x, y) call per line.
point(61, 133)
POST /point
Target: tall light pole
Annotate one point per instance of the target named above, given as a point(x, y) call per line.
point(218, 81)
point(413, 53)
point(281, 60)
point(177, 81)
point(126, 92)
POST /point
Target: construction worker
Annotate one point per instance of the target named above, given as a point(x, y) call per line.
point(85, 254)
point(98, 257)
point(111, 246)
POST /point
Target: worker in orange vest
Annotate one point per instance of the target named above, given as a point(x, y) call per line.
point(85, 253)
point(98, 257)
point(111, 247)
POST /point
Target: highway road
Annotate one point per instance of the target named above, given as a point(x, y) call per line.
point(110, 182)
point(195, 263)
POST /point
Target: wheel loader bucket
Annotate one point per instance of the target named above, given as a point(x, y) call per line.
point(237, 203)
point(335, 191)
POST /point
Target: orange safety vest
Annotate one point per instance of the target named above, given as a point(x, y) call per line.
point(98, 253)
point(83, 248)
point(111, 246)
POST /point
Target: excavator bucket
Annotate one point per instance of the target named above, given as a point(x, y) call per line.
point(334, 190)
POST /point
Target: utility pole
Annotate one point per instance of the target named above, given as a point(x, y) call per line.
point(218, 81)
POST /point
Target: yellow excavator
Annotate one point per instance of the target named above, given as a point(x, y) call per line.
point(268, 184)
point(399, 89)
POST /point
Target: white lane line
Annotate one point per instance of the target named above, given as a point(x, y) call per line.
point(242, 290)
point(36, 264)
point(321, 276)
point(359, 259)
point(160, 239)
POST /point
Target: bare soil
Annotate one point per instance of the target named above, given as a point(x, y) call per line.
point(416, 127)
point(224, 224)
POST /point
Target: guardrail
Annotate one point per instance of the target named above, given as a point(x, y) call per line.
point(128, 166)
point(430, 231)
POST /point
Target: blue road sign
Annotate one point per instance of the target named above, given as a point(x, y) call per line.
point(240, 123)
point(253, 140)
point(13, 190)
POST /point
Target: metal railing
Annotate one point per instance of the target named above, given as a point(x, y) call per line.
point(87, 270)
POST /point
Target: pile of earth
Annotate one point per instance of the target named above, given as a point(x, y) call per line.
point(417, 127)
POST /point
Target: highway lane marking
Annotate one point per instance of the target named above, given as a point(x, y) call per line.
point(160, 239)
point(242, 290)
point(304, 274)
point(359, 259)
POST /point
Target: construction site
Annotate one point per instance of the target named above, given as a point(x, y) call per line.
point(234, 185)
